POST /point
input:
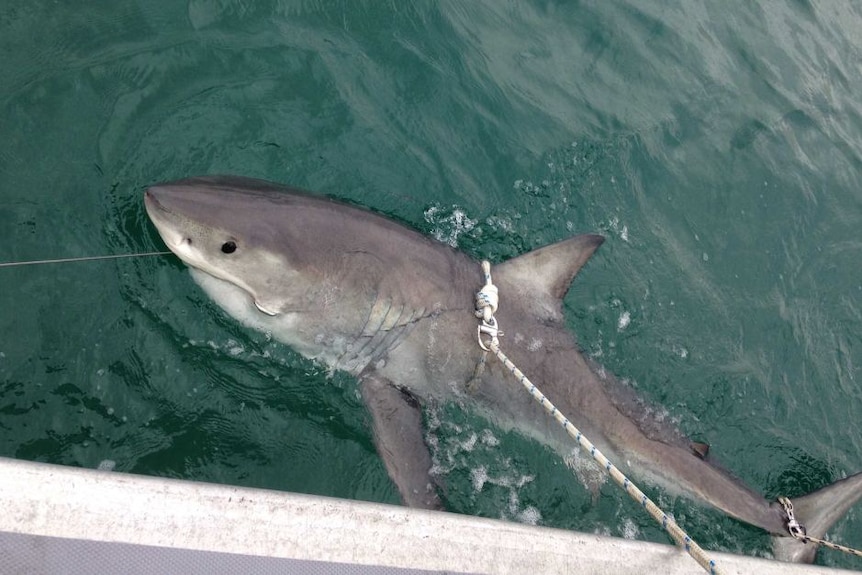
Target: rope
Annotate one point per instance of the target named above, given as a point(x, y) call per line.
point(489, 328)
point(83, 259)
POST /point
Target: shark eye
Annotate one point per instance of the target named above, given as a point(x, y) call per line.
point(228, 247)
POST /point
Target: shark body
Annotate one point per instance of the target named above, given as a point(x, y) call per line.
point(364, 294)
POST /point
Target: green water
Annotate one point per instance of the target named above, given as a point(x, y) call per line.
point(717, 146)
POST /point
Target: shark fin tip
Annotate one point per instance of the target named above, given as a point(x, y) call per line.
point(700, 449)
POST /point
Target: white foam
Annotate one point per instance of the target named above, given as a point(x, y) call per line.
point(624, 321)
point(470, 442)
point(630, 530)
point(500, 223)
point(680, 351)
point(234, 348)
point(447, 228)
point(489, 439)
point(479, 476)
point(530, 516)
point(621, 230)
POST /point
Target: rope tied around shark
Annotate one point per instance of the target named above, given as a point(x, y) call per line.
point(487, 301)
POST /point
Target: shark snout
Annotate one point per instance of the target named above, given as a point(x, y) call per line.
point(165, 220)
point(162, 196)
point(152, 200)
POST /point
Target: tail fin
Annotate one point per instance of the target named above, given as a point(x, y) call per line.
point(818, 511)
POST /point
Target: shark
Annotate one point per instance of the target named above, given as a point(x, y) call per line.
point(362, 293)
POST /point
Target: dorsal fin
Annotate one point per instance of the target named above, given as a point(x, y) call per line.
point(544, 275)
point(700, 449)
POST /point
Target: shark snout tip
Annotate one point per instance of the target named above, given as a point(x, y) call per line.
point(154, 196)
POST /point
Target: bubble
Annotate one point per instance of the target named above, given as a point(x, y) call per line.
point(530, 516)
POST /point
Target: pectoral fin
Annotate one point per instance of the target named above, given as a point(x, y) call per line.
point(397, 424)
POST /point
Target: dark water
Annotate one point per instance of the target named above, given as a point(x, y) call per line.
point(717, 146)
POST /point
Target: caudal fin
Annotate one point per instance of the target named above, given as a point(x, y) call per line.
point(817, 512)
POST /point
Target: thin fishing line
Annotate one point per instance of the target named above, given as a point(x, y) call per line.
point(82, 259)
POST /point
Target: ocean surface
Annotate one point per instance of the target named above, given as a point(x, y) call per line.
point(717, 146)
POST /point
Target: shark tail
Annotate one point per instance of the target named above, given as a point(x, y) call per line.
point(818, 512)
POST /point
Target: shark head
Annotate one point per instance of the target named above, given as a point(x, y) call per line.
point(208, 223)
point(337, 283)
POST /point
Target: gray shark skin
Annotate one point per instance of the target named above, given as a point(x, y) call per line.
point(366, 295)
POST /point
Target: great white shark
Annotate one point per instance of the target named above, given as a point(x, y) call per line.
point(364, 294)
